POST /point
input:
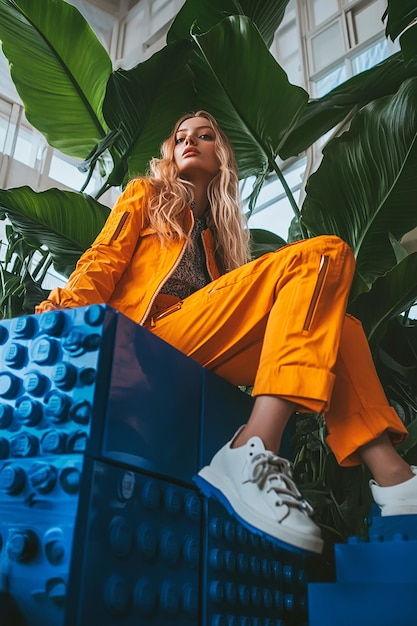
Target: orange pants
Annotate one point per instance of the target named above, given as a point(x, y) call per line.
point(279, 324)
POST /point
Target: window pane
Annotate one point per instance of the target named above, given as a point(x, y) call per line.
point(26, 147)
point(287, 42)
point(370, 57)
point(321, 10)
point(294, 70)
point(368, 20)
point(275, 217)
point(273, 210)
point(286, 49)
point(330, 81)
point(68, 174)
point(23, 150)
point(294, 175)
point(327, 46)
point(269, 191)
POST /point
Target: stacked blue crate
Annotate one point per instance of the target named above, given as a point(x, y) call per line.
point(376, 580)
point(152, 551)
point(102, 427)
point(154, 440)
point(248, 579)
point(137, 550)
point(53, 385)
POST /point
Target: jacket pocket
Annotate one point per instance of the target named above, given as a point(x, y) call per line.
point(112, 229)
point(168, 311)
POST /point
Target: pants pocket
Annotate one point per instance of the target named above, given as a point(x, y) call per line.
point(318, 288)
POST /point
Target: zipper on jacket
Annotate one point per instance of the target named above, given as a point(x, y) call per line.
point(120, 225)
point(167, 277)
point(324, 263)
point(206, 258)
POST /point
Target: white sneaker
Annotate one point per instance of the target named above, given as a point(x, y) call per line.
point(396, 500)
point(257, 486)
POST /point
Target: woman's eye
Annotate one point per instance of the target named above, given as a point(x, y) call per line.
point(179, 140)
point(206, 137)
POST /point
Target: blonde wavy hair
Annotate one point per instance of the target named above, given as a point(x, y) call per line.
point(173, 195)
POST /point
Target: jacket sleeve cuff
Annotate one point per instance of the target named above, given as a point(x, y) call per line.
point(47, 305)
point(59, 298)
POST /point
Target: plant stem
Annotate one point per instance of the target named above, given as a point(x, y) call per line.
point(45, 271)
point(102, 190)
point(87, 180)
point(290, 196)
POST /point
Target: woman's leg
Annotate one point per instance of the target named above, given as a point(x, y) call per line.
point(385, 464)
point(274, 323)
point(363, 428)
point(359, 412)
point(285, 312)
point(394, 487)
point(269, 417)
point(277, 322)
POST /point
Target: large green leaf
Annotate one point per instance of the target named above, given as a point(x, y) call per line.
point(390, 295)
point(66, 222)
point(395, 357)
point(263, 241)
point(323, 114)
point(408, 42)
point(267, 15)
point(365, 189)
point(410, 443)
point(242, 85)
point(144, 103)
point(60, 70)
point(400, 14)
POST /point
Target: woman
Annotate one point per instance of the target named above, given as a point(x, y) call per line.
point(173, 256)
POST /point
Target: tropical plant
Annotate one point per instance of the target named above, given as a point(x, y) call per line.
point(21, 275)
point(217, 58)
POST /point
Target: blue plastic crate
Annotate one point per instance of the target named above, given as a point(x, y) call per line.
point(136, 557)
point(376, 581)
point(86, 396)
point(248, 579)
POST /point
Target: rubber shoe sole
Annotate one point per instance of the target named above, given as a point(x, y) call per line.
point(207, 479)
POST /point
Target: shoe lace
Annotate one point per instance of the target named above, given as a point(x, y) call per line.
point(273, 471)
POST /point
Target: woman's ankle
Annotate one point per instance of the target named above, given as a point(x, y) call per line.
point(391, 476)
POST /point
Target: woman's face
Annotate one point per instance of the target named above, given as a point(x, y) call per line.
point(194, 152)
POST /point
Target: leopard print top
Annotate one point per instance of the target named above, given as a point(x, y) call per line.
point(191, 273)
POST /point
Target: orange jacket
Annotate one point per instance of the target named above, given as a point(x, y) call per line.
point(126, 265)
